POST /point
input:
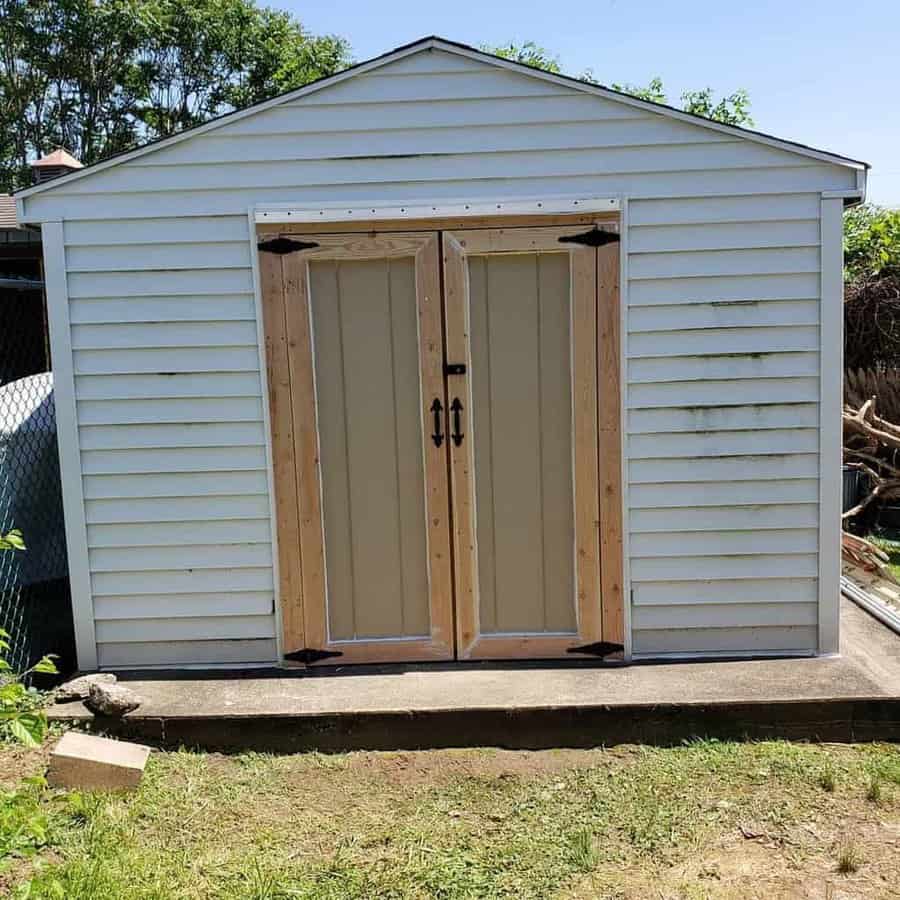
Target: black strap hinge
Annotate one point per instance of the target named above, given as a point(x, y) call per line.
point(282, 245)
point(596, 237)
point(309, 655)
point(600, 649)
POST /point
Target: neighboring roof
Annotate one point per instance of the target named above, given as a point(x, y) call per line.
point(438, 43)
point(58, 157)
point(8, 212)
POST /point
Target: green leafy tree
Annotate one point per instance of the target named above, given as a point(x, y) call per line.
point(732, 109)
point(529, 53)
point(871, 242)
point(100, 76)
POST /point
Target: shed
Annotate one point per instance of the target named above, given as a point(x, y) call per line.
point(445, 357)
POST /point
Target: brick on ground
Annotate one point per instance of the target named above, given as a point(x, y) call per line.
point(87, 762)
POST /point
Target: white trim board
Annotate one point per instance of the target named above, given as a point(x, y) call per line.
point(831, 327)
point(67, 439)
point(436, 43)
point(278, 213)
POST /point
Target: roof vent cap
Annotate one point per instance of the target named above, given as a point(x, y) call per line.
point(59, 162)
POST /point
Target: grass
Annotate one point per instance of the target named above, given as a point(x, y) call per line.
point(706, 819)
point(892, 549)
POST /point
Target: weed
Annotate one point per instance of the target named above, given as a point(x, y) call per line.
point(584, 852)
point(873, 789)
point(828, 779)
point(848, 859)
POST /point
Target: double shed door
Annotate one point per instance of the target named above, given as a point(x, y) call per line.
point(445, 428)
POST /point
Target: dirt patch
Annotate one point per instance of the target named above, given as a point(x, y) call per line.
point(440, 766)
point(18, 762)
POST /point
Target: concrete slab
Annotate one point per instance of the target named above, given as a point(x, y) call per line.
point(855, 696)
point(86, 762)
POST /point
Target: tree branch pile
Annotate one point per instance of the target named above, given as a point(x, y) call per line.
point(872, 445)
point(872, 321)
point(866, 556)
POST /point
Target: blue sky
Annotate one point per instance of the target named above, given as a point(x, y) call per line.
point(823, 72)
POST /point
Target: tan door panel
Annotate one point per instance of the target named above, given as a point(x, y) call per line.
point(521, 315)
point(365, 350)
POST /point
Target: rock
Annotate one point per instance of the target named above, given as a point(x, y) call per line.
point(87, 762)
point(80, 688)
point(111, 699)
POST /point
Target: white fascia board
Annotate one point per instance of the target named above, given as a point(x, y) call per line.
point(363, 212)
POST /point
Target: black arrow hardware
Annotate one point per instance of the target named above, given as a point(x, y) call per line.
point(456, 408)
point(437, 410)
point(282, 245)
point(596, 237)
point(309, 655)
point(601, 649)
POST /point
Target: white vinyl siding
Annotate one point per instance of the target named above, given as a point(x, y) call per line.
point(722, 426)
point(722, 346)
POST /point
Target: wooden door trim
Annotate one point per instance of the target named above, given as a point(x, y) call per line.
point(595, 354)
point(609, 420)
point(295, 447)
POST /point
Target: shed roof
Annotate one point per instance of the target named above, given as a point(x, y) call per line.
point(439, 43)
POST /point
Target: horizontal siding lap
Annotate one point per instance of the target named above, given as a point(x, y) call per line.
point(719, 288)
point(185, 629)
point(723, 468)
point(181, 459)
point(202, 308)
point(116, 655)
point(733, 615)
point(638, 130)
point(725, 591)
point(195, 556)
point(756, 567)
point(732, 367)
point(178, 581)
point(677, 520)
point(167, 534)
point(711, 263)
point(159, 256)
point(174, 484)
point(165, 360)
point(177, 509)
point(739, 641)
point(722, 392)
point(726, 443)
point(721, 341)
point(723, 418)
point(729, 314)
point(731, 493)
point(176, 229)
point(203, 434)
point(729, 156)
point(195, 604)
point(193, 409)
point(671, 237)
point(156, 386)
point(725, 543)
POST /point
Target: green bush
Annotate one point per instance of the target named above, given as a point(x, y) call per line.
point(871, 242)
point(22, 717)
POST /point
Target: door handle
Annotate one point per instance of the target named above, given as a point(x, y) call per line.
point(437, 410)
point(456, 408)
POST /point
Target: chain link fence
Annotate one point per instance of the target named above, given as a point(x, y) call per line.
point(35, 603)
